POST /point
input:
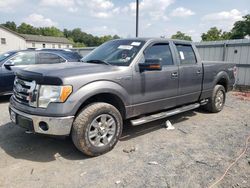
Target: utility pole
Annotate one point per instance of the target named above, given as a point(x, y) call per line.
point(137, 18)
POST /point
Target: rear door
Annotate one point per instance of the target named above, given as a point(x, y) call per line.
point(190, 74)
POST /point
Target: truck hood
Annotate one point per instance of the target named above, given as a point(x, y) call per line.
point(69, 69)
point(56, 73)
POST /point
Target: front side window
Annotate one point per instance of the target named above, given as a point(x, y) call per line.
point(186, 54)
point(24, 58)
point(6, 55)
point(116, 52)
point(160, 51)
point(49, 58)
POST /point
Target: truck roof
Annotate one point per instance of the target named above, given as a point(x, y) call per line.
point(145, 39)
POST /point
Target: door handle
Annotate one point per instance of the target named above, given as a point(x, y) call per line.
point(174, 75)
point(198, 72)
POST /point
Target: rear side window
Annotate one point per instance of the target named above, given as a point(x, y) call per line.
point(161, 51)
point(49, 58)
point(186, 54)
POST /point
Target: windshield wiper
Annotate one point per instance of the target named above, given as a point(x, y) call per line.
point(98, 61)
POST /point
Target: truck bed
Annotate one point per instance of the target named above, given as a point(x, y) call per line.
point(211, 70)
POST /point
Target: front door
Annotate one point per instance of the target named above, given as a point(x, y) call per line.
point(156, 90)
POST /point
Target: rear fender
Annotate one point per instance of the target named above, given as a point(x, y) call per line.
point(222, 78)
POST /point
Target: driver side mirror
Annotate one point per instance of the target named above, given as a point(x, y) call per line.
point(151, 65)
point(8, 64)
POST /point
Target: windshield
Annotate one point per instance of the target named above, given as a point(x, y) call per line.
point(116, 52)
point(5, 55)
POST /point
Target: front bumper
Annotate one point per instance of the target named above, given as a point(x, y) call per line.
point(58, 126)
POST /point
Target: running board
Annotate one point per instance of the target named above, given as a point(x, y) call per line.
point(165, 114)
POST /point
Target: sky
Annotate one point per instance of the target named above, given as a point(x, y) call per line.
point(109, 17)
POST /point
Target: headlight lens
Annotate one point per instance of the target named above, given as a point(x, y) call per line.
point(49, 93)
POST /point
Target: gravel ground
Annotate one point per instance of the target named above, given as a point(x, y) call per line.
point(195, 154)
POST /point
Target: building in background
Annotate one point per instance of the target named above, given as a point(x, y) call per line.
point(10, 40)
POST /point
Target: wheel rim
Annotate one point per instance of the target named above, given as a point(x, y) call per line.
point(102, 130)
point(219, 99)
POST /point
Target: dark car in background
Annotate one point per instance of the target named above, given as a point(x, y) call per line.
point(14, 60)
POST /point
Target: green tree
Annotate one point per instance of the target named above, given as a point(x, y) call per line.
point(77, 36)
point(10, 25)
point(215, 34)
point(116, 37)
point(67, 33)
point(241, 28)
point(50, 31)
point(79, 45)
point(226, 35)
point(181, 36)
point(27, 29)
point(104, 39)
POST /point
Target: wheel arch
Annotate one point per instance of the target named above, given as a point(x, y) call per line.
point(222, 78)
point(109, 98)
point(102, 91)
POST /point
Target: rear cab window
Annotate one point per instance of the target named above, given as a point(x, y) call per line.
point(186, 54)
point(160, 51)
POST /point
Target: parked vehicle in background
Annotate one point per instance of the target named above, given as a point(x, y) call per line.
point(137, 79)
point(15, 60)
point(6, 55)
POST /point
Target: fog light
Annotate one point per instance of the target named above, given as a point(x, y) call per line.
point(44, 126)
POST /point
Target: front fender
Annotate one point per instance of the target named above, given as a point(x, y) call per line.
point(98, 87)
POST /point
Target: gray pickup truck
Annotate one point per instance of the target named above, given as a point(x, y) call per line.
point(139, 79)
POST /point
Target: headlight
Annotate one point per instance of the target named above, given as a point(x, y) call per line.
point(49, 93)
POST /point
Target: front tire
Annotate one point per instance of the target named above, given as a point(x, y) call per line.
point(97, 129)
point(217, 101)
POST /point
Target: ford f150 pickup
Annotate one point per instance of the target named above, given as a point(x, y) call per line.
point(139, 79)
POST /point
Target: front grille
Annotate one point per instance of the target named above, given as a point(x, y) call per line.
point(25, 91)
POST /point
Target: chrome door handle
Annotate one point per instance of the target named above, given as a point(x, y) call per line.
point(174, 75)
point(198, 72)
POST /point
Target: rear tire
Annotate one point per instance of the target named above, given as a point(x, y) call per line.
point(217, 101)
point(97, 129)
